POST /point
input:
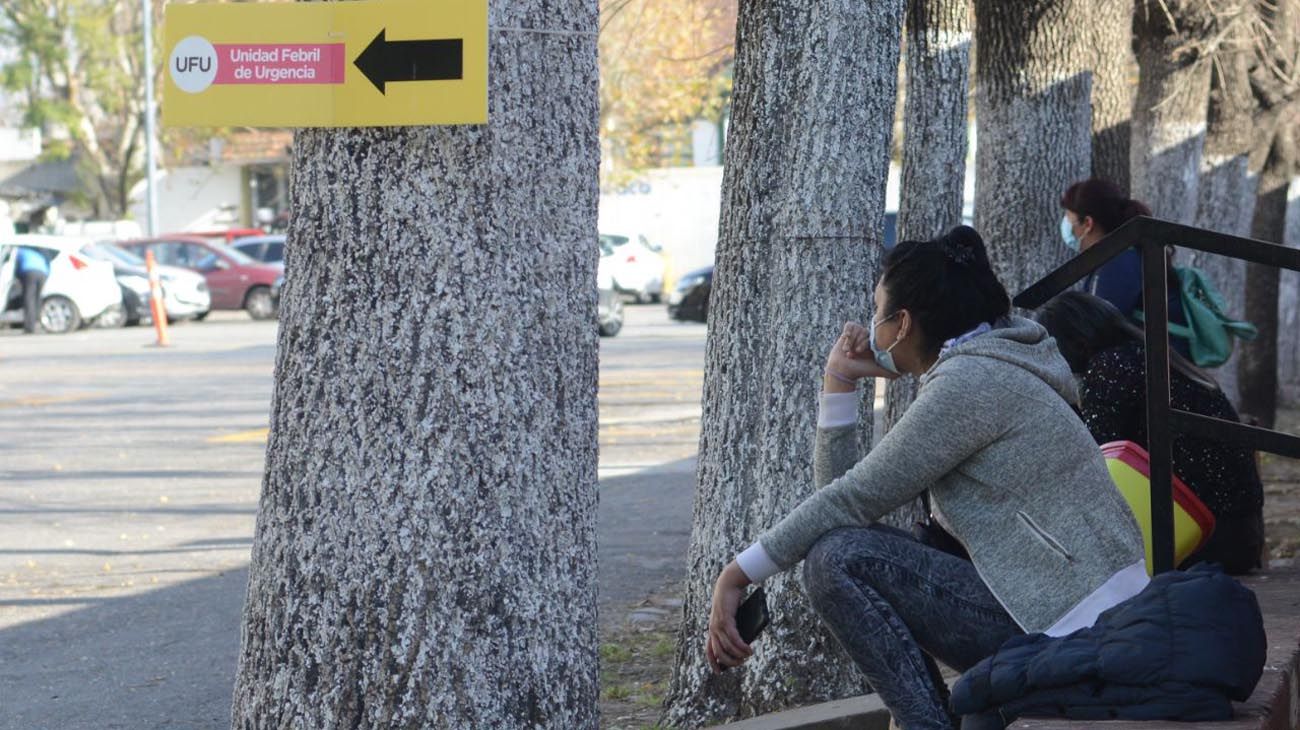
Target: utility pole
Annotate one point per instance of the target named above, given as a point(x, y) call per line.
point(150, 113)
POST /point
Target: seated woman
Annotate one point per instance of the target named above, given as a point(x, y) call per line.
point(1012, 474)
point(1094, 208)
point(1107, 350)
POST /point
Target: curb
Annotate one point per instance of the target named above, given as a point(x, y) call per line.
point(865, 712)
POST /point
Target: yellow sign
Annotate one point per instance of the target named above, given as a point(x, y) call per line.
point(339, 64)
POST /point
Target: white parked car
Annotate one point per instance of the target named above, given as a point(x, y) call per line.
point(185, 293)
point(637, 265)
point(78, 290)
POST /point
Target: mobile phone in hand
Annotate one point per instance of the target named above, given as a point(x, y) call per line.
point(752, 616)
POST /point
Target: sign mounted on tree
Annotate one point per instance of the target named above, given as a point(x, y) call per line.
point(367, 63)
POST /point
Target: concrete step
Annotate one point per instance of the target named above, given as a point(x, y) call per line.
point(855, 713)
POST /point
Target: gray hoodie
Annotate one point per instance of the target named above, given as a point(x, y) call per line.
point(1012, 472)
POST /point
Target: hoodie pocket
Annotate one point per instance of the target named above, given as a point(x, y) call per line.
point(1044, 536)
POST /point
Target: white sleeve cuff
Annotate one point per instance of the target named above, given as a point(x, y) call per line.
point(837, 410)
point(757, 564)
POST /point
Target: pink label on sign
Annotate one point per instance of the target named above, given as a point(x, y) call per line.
point(280, 63)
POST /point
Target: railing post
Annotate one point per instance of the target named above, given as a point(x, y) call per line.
point(1155, 303)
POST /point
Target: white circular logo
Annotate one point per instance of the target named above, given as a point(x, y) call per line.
point(193, 64)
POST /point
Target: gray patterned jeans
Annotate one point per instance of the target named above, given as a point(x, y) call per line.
point(893, 604)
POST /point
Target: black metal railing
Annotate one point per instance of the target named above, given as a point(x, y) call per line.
point(1150, 236)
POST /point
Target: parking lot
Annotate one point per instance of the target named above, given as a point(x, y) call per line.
point(129, 480)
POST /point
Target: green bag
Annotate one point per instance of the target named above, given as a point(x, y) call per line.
point(1208, 331)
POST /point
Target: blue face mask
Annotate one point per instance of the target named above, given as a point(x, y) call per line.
point(1067, 234)
point(884, 358)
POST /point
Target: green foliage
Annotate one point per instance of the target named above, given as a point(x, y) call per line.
point(614, 653)
point(663, 64)
point(78, 65)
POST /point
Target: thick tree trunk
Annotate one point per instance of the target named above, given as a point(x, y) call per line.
point(1169, 115)
point(425, 546)
point(1288, 308)
point(934, 145)
point(1226, 191)
point(1112, 93)
point(1035, 129)
point(1274, 85)
point(798, 248)
point(1259, 366)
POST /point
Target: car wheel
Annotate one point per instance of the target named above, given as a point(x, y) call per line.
point(611, 328)
point(201, 316)
point(112, 318)
point(258, 303)
point(59, 315)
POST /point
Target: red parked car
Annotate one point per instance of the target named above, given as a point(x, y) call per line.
point(234, 279)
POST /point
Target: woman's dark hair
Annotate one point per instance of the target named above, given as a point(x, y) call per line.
point(1104, 202)
point(945, 283)
point(1085, 326)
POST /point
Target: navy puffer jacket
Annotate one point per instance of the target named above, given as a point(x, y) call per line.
point(1182, 649)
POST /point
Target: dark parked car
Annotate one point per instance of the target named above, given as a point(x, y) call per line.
point(690, 299)
point(235, 281)
point(276, 288)
point(267, 249)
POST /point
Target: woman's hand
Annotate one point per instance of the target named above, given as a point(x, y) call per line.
point(851, 358)
point(724, 647)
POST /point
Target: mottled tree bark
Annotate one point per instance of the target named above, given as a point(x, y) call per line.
point(1226, 191)
point(934, 145)
point(1112, 93)
point(425, 546)
point(1259, 359)
point(1035, 129)
point(798, 248)
point(1169, 114)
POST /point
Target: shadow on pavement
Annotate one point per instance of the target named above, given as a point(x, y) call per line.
point(166, 658)
point(163, 659)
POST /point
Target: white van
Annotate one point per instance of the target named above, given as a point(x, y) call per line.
point(78, 290)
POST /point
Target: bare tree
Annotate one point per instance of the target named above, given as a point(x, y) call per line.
point(1259, 360)
point(1226, 190)
point(1169, 116)
point(1288, 341)
point(1113, 65)
point(1265, 368)
point(425, 546)
point(798, 247)
point(1035, 128)
point(934, 143)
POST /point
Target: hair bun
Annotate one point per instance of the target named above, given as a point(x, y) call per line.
point(964, 245)
point(1133, 208)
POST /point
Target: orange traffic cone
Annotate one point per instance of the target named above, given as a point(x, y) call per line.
point(156, 308)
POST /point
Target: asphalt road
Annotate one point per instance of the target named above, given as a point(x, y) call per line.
point(129, 478)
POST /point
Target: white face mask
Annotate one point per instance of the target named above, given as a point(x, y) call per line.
point(884, 358)
point(1067, 234)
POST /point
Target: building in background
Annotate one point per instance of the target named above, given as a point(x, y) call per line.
point(239, 180)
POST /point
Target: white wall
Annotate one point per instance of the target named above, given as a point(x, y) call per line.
point(193, 198)
point(676, 208)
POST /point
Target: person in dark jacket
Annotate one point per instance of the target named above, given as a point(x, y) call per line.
point(1107, 351)
point(1185, 648)
point(32, 270)
point(1094, 208)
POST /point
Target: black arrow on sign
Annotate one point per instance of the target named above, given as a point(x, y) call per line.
point(428, 60)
